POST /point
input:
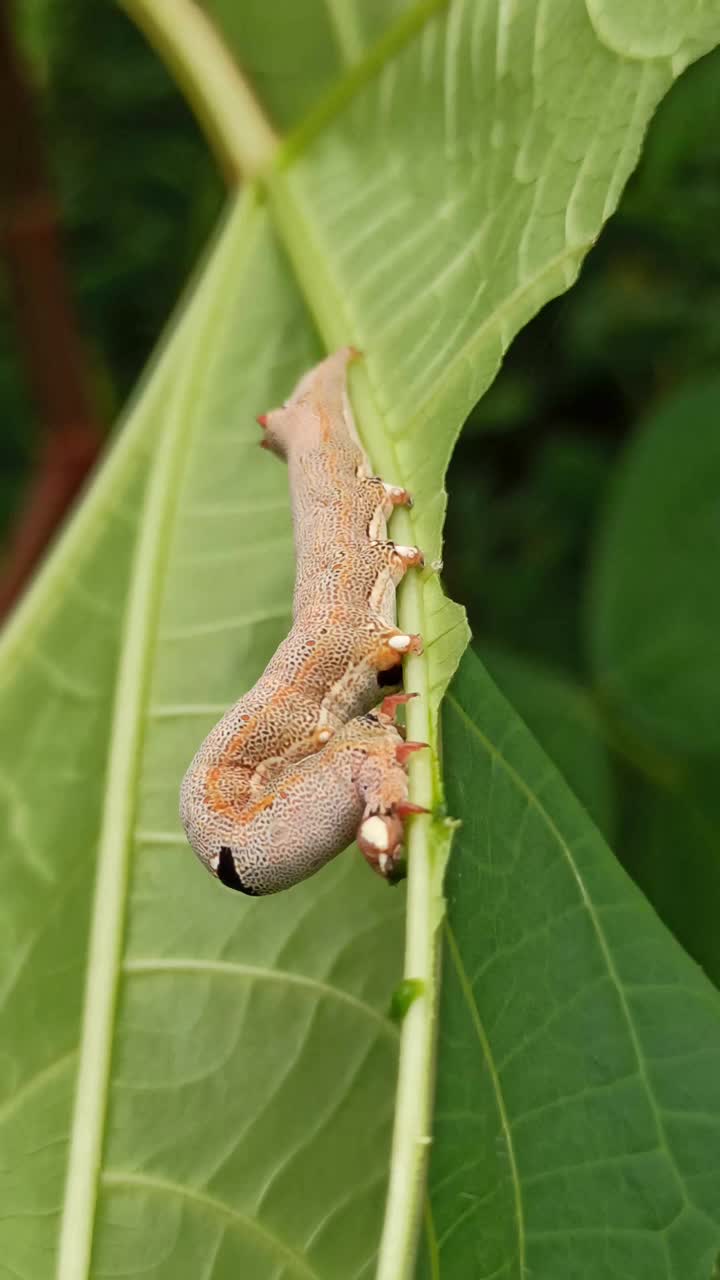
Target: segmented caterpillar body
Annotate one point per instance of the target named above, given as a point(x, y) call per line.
point(301, 764)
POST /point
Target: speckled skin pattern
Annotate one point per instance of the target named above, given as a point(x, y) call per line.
point(301, 765)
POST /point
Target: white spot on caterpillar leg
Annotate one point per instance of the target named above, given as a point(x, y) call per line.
point(374, 832)
point(397, 495)
point(400, 643)
point(407, 553)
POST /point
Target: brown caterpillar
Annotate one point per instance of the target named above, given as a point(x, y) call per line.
point(301, 765)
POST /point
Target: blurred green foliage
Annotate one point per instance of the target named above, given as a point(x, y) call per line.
point(531, 477)
point(138, 194)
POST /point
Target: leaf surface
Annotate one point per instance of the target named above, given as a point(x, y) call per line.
point(654, 627)
point(670, 842)
point(232, 1066)
point(294, 53)
point(564, 719)
point(654, 618)
point(578, 1101)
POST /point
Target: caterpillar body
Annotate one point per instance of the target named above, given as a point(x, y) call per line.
point(302, 763)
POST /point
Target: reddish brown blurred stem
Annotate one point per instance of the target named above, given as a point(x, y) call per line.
point(45, 322)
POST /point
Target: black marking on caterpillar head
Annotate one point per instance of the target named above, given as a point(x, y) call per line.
point(227, 873)
point(392, 676)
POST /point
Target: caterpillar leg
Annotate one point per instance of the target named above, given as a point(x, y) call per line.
point(395, 556)
point(383, 783)
point(375, 502)
point(397, 496)
point(391, 646)
point(384, 495)
point(404, 558)
point(376, 570)
point(391, 702)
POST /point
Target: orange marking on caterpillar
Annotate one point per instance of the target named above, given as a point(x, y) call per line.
point(302, 764)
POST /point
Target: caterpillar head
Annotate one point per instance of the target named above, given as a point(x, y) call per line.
point(317, 408)
point(298, 427)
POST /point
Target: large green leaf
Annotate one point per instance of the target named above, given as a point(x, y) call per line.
point(293, 53)
point(58, 675)
point(670, 843)
point(232, 1066)
point(578, 1108)
point(249, 1000)
point(655, 606)
point(654, 628)
point(564, 719)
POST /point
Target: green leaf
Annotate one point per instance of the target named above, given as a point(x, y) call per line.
point(232, 1063)
point(222, 1083)
point(669, 841)
point(654, 617)
point(654, 622)
point(294, 53)
point(654, 29)
point(578, 1103)
point(564, 719)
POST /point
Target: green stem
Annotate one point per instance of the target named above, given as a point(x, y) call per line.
point(113, 865)
point(236, 127)
point(428, 839)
